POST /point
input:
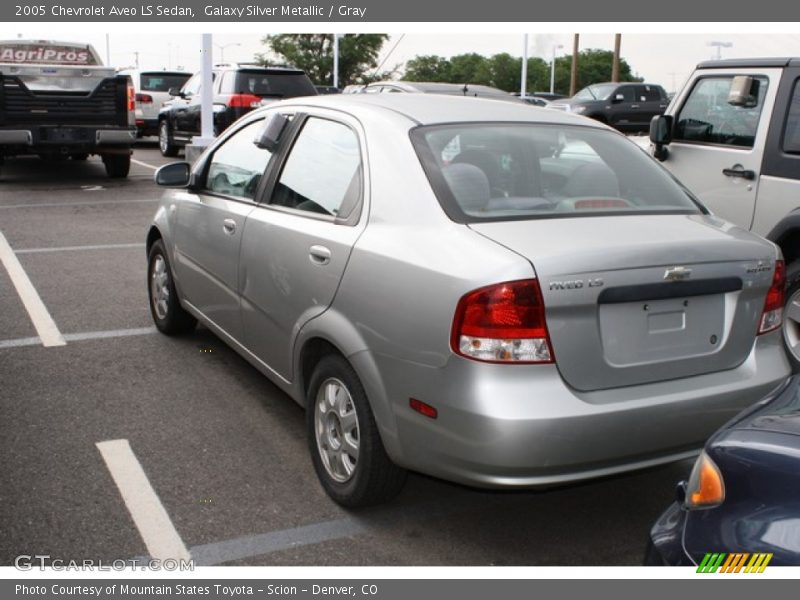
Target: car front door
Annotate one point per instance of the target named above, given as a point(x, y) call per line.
point(180, 107)
point(652, 101)
point(297, 242)
point(209, 227)
point(621, 111)
point(717, 148)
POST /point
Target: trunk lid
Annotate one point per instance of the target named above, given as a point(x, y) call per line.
point(637, 299)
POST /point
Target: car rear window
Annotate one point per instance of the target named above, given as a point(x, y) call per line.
point(274, 84)
point(162, 82)
point(511, 171)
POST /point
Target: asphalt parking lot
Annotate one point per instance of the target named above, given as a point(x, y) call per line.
point(217, 444)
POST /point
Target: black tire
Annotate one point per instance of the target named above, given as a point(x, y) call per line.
point(165, 143)
point(374, 478)
point(81, 156)
point(117, 165)
point(170, 318)
point(791, 328)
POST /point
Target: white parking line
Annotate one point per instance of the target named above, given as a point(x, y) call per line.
point(81, 203)
point(42, 321)
point(144, 164)
point(148, 514)
point(79, 337)
point(71, 248)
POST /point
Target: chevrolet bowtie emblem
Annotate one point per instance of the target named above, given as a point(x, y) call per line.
point(677, 274)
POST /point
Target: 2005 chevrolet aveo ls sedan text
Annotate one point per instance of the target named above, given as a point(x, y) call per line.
point(501, 296)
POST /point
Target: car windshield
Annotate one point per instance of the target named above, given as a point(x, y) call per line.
point(596, 92)
point(162, 82)
point(488, 171)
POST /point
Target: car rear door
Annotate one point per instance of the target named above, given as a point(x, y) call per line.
point(209, 227)
point(717, 148)
point(652, 101)
point(297, 242)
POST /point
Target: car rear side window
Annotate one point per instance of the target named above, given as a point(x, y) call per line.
point(707, 117)
point(791, 132)
point(236, 167)
point(648, 93)
point(322, 173)
point(514, 171)
point(273, 84)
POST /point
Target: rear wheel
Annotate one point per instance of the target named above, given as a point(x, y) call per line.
point(117, 165)
point(168, 314)
point(345, 445)
point(165, 144)
point(791, 315)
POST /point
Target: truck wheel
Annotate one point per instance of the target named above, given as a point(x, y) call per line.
point(791, 315)
point(346, 449)
point(117, 165)
point(165, 140)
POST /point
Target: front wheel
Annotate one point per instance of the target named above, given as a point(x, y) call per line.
point(168, 314)
point(346, 448)
point(791, 315)
point(165, 144)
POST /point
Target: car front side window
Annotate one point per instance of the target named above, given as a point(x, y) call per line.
point(236, 167)
point(708, 117)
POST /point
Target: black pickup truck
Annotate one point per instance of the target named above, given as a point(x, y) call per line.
point(58, 101)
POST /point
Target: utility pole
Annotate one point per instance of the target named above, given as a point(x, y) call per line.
point(108, 51)
point(523, 85)
point(615, 64)
point(336, 60)
point(573, 75)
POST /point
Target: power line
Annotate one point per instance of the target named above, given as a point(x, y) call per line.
point(385, 58)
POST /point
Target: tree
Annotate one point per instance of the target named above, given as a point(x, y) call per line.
point(594, 66)
point(313, 53)
point(427, 68)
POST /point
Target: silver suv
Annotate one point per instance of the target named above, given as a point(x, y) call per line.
point(497, 295)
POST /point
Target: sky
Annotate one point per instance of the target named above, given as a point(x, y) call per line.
point(665, 59)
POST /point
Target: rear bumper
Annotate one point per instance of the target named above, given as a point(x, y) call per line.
point(147, 126)
point(522, 426)
point(73, 138)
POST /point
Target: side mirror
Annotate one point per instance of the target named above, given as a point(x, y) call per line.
point(743, 92)
point(175, 91)
point(661, 135)
point(174, 175)
point(270, 136)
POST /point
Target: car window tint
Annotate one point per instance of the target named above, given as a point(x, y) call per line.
point(519, 171)
point(236, 167)
point(628, 93)
point(648, 93)
point(162, 82)
point(706, 116)
point(322, 171)
point(791, 132)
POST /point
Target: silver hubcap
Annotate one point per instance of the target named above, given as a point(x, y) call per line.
point(791, 325)
point(336, 428)
point(163, 137)
point(159, 288)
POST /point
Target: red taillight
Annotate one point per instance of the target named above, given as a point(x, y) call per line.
point(244, 101)
point(503, 323)
point(131, 98)
point(772, 317)
point(144, 98)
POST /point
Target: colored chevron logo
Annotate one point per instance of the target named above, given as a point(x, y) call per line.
point(722, 562)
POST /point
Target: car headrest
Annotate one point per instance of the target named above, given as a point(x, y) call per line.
point(592, 179)
point(469, 186)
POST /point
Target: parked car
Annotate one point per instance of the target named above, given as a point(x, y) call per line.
point(327, 89)
point(238, 89)
point(151, 90)
point(448, 89)
point(58, 101)
point(494, 294)
point(628, 107)
point(732, 136)
point(742, 495)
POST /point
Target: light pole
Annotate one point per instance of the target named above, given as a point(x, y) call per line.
point(336, 37)
point(222, 49)
point(524, 76)
point(719, 46)
point(553, 69)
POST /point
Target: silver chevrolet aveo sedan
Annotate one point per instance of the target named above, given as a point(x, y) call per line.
point(496, 295)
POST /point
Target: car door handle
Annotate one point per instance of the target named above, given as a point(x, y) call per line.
point(739, 171)
point(229, 226)
point(634, 106)
point(320, 255)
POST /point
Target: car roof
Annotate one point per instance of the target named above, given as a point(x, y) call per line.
point(743, 63)
point(429, 109)
point(442, 87)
